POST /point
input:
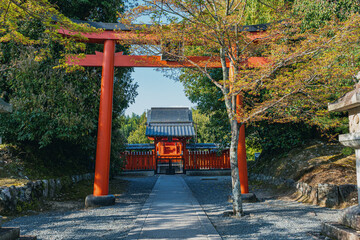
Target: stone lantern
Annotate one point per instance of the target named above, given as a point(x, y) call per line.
point(350, 217)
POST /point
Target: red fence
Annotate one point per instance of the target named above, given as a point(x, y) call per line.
point(197, 160)
point(207, 160)
point(140, 161)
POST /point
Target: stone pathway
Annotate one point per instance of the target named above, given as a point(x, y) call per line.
point(172, 212)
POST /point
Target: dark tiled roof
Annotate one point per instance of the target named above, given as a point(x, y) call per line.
point(169, 115)
point(170, 130)
point(170, 122)
point(140, 146)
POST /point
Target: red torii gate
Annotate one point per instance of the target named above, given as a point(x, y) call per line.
point(108, 60)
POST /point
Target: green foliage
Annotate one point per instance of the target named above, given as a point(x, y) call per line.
point(317, 13)
point(347, 151)
point(203, 131)
point(91, 10)
point(134, 128)
point(138, 135)
point(54, 122)
point(253, 145)
point(129, 124)
point(278, 138)
point(258, 12)
point(208, 98)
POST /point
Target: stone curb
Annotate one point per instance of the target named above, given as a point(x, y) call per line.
point(326, 195)
point(16, 198)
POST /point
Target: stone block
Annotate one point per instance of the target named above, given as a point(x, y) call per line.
point(347, 192)
point(314, 196)
point(328, 195)
point(52, 187)
point(28, 193)
point(338, 231)
point(58, 184)
point(7, 233)
point(350, 217)
point(45, 191)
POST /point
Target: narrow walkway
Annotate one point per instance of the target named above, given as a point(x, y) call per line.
point(172, 212)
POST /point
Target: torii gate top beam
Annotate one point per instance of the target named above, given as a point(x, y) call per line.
point(131, 34)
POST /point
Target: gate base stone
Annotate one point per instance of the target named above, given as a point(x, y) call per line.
point(99, 201)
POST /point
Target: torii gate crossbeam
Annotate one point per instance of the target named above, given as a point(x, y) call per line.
point(108, 60)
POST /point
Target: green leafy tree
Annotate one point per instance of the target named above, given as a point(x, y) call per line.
point(203, 131)
point(55, 112)
point(129, 124)
point(209, 100)
point(137, 135)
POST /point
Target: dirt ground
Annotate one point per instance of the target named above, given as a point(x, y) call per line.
point(317, 162)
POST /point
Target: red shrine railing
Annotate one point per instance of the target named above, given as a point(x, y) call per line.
point(140, 161)
point(194, 160)
point(207, 160)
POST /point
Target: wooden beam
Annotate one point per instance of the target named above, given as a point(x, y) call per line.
point(155, 61)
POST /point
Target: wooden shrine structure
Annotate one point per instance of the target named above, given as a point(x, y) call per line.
point(109, 59)
point(171, 129)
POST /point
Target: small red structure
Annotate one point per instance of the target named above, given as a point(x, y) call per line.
point(171, 129)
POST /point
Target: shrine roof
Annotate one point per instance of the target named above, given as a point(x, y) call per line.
point(169, 115)
point(170, 122)
point(170, 130)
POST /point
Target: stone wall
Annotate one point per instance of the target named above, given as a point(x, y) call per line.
point(18, 198)
point(326, 195)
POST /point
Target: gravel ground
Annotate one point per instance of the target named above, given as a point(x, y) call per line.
point(111, 222)
point(268, 219)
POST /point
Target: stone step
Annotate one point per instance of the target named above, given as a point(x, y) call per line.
point(7, 233)
point(25, 237)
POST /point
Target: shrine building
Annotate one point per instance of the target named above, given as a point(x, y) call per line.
point(171, 130)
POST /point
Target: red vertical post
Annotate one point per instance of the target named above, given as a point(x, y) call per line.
point(102, 166)
point(241, 152)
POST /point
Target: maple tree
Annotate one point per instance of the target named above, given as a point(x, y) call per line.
point(304, 67)
point(16, 17)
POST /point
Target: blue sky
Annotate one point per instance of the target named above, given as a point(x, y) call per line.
point(156, 90)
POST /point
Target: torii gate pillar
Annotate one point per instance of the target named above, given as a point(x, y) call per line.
point(101, 195)
point(241, 153)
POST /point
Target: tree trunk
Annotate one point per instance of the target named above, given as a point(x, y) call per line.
point(231, 110)
point(236, 190)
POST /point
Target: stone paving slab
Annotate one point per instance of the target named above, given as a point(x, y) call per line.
point(172, 212)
